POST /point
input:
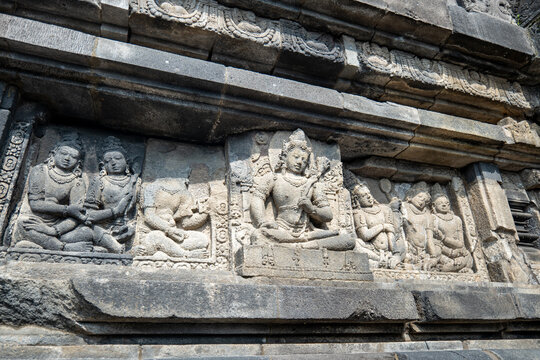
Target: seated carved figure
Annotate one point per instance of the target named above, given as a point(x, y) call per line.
point(55, 201)
point(172, 216)
point(300, 201)
point(417, 225)
point(448, 231)
point(375, 228)
point(109, 199)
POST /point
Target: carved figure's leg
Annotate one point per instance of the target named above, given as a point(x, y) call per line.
point(104, 239)
point(45, 241)
point(195, 240)
point(157, 241)
point(339, 242)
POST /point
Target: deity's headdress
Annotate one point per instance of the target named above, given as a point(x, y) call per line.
point(419, 187)
point(112, 143)
point(297, 139)
point(72, 140)
point(437, 192)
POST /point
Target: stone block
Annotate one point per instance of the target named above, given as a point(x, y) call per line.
point(330, 24)
point(345, 304)
point(516, 354)
point(88, 10)
point(244, 54)
point(115, 12)
point(528, 305)
point(10, 97)
point(287, 262)
point(114, 32)
point(132, 299)
point(87, 352)
point(48, 41)
point(466, 305)
point(427, 21)
point(444, 355)
point(277, 90)
point(448, 126)
point(440, 156)
point(486, 36)
point(359, 107)
point(158, 65)
point(365, 12)
point(4, 124)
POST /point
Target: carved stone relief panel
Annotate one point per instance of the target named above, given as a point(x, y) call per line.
point(501, 9)
point(415, 230)
point(79, 199)
point(287, 198)
point(183, 208)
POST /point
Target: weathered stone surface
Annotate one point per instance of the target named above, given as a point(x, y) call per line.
point(444, 355)
point(438, 306)
point(516, 354)
point(70, 352)
point(503, 42)
point(276, 261)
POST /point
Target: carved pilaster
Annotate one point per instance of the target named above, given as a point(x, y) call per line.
point(13, 155)
point(496, 230)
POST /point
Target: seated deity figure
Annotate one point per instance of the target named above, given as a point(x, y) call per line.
point(55, 196)
point(417, 225)
point(300, 202)
point(172, 215)
point(375, 228)
point(109, 199)
point(448, 231)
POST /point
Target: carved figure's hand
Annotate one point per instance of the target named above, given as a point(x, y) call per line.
point(203, 206)
point(388, 228)
point(269, 225)
point(122, 205)
point(176, 234)
point(437, 234)
point(306, 204)
point(123, 233)
point(32, 224)
point(77, 212)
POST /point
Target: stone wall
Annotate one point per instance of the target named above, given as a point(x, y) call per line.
point(284, 179)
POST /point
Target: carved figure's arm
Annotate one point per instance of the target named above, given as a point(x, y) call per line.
point(154, 221)
point(65, 226)
point(262, 189)
point(194, 221)
point(458, 242)
point(322, 212)
point(362, 230)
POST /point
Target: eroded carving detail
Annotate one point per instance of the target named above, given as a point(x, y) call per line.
point(522, 132)
point(241, 24)
point(172, 217)
point(17, 142)
point(401, 64)
point(183, 210)
point(501, 9)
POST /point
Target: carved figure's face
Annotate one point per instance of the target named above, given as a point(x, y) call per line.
point(297, 160)
point(365, 198)
point(420, 200)
point(115, 163)
point(442, 205)
point(66, 158)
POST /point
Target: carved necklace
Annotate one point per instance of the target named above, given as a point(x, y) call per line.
point(60, 178)
point(449, 217)
point(119, 181)
point(295, 182)
point(416, 211)
point(374, 210)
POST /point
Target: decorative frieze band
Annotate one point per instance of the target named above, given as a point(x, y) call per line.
point(240, 24)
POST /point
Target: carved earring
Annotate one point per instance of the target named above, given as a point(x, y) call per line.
point(78, 170)
point(50, 161)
